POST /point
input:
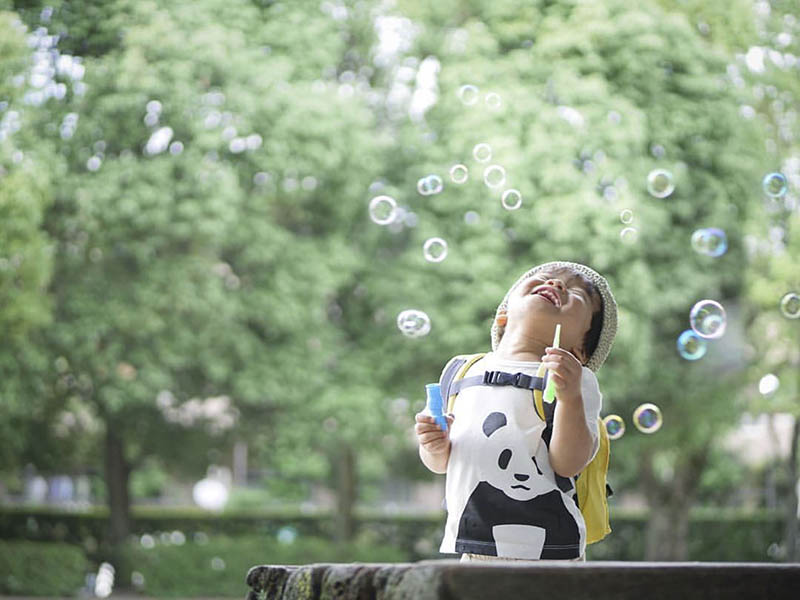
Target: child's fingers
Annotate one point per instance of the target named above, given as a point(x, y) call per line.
point(431, 437)
point(423, 418)
point(420, 428)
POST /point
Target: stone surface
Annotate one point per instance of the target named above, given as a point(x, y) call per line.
point(450, 580)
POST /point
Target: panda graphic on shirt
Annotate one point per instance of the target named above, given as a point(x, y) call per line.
point(518, 508)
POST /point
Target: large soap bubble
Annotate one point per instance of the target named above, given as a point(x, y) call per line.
point(382, 210)
point(482, 152)
point(511, 199)
point(774, 185)
point(615, 426)
point(790, 305)
point(647, 418)
point(691, 346)
point(413, 323)
point(435, 249)
point(430, 185)
point(710, 241)
point(708, 319)
point(660, 183)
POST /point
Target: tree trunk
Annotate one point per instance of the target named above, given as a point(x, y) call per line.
point(117, 475)
point(790, 529)
point(667, 535)
point(346, 490)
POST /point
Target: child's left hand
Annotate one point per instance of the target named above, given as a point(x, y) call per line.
point(566, 371)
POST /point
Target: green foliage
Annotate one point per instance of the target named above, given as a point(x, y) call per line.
point(41, 569)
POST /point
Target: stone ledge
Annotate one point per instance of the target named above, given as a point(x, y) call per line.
point(451, 580)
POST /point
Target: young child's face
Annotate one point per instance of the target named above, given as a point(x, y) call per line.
point(551, 297)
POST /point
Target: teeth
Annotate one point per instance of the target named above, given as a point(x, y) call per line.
point(550, 295)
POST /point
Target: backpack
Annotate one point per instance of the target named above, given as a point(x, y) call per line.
point(592, 487)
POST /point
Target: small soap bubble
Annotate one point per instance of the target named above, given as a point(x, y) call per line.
point(708, 319)
point(434, 249)
point(137, 579)
point(710, 241)
point(657, 150)
point(768, 384)
point(626, 216)
point(468, 94)
point(154, 106)
point(93, 164)
point(482, 152)
point(471, 217)
point(660, 183)
point(176, 148)
point(413, 323)
point(217, 564)
point(287, 535)
point(615, 426)
point(147, 541)
point(511, 199)
point(382, 210)
point(774, 185)
point(629, 235)
point(429, 185)
point(459, 173)
point(790, 305)
point(647, 418)
point(691, 346)
point(493, 100)
point(494, 176)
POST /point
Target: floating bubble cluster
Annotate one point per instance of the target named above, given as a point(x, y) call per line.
point(413, 323)
point(790, 305)
point(615, 426)
point(708, 319)
point(511, 199)
point(774, 185)
point(430, 185)
point(710, 241)
point(459, 173)
point(382, 210)
point(691, 346)
point(768, 384)
point(482, 152)
point(647, 418)
point(494, 176)
point(660, 183)
point(435, 249)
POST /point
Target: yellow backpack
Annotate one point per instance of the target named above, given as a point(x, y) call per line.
point(593, 490)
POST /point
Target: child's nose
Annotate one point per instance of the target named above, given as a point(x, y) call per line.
point(555, 283)
point(521, 476)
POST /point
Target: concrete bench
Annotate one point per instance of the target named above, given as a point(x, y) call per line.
point(451, 580)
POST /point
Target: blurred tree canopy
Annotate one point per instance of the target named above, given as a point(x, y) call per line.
point(184, 198)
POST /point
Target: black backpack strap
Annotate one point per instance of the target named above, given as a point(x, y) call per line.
point(519, 380)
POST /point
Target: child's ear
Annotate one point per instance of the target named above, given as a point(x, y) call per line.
point(580, 354)
point(501, 319)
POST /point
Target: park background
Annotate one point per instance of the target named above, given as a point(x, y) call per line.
point(191, 287)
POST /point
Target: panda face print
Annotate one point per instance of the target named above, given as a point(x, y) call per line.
point(507, 465)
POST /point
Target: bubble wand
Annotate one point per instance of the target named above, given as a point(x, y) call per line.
point(550, 390)
point(435, 404)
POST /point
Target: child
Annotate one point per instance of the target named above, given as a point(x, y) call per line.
point(510, 488)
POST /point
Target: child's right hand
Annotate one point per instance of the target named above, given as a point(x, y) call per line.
point(430, 437)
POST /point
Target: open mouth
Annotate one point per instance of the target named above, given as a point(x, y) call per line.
point(549, 294)
point(520, 486)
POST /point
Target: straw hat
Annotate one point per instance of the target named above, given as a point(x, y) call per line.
point(609, 327)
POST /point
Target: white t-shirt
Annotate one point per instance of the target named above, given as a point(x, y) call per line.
point(503, 497)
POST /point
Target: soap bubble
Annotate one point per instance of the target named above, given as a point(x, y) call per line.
point(471, 217)
point(629, 235)
point(493, 100)
point(459, 173)
point(626, 216)
point(660, 183)
point(210, 494)
point(708, 319)
point(430, 185)
point(768, 384)
point(468, 94)
point(494, 176)
point(647, 418)
point(615, 426)
point(774, 185)
point(287, 535)
point(511, 199)
point(710, 241)
point(94, 163)
point(691, 346)
point(217, 564)
point(790, 305)
point(482, 152)
point(413, 323)
point(382, 210)
point(435, 249)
